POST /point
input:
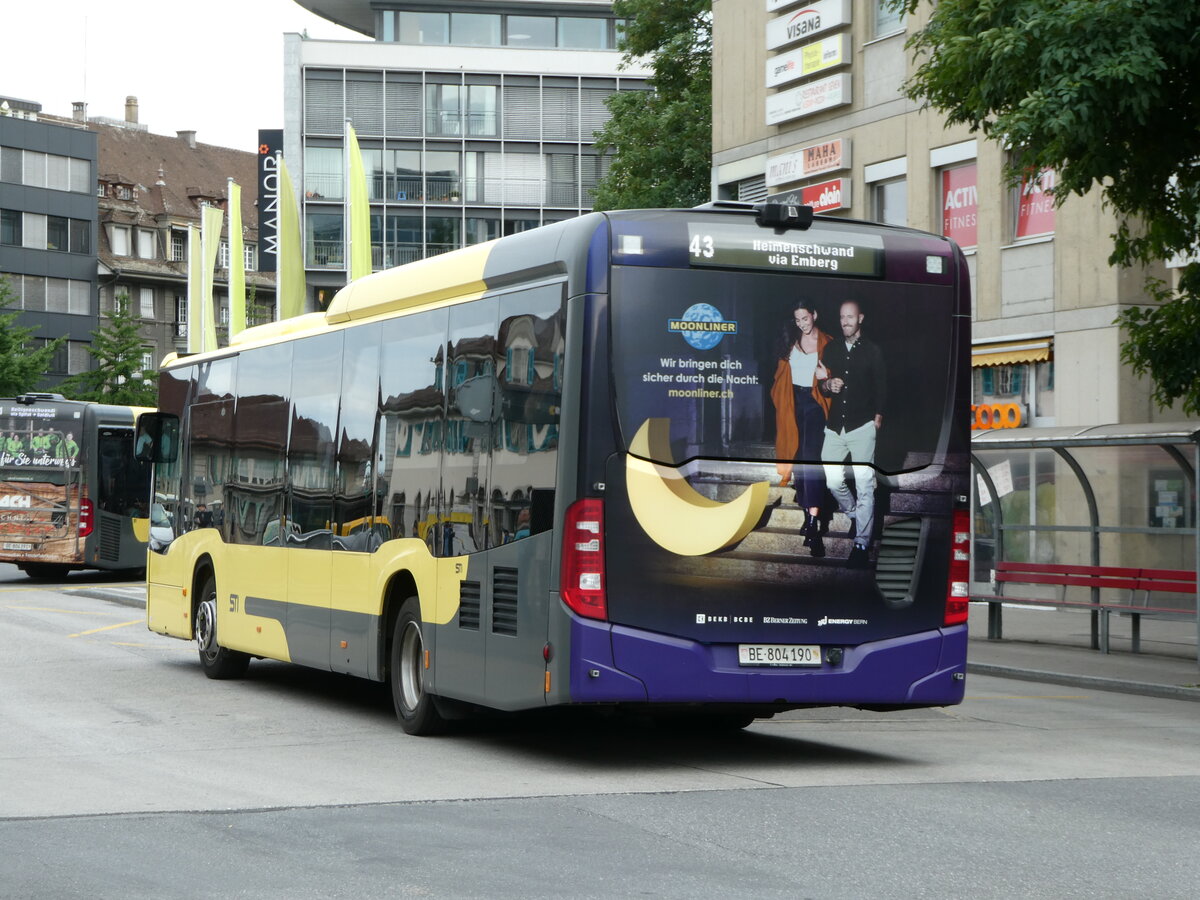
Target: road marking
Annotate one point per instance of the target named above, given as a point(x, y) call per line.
point(71, 612)
point(108, 628)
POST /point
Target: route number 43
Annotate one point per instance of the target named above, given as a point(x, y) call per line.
point(702, 245)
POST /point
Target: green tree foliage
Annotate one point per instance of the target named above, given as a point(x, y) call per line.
point(117, 348)
point(21, 369)
point(1105, 93)
point(661, 139)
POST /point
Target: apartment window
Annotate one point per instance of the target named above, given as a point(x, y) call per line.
point(474, 29)
point(81, 236)
point(181, 315)
point(123, 192)
point(34, 169)
point(147, 361)
point(79, 357)
point(250, 257)
point(583, 34)
point(960, 204)
point(59, 359)
point(482, 103)
point(79, 299)
point(888, 19)
point(10, 227)
point(81, 176)
point(323, 173)
point(1033, 206)
point(34, 225)
point(223, 313)
point(145, 242)
point(118, 238)
point(889, 201)
point(326, 242)
point(424, 28)
point(178, 245)
point(223, 255)
point(10, 165)
point(531, 31)
point(58, 295)
point(58, 177)
point(443, 109)
point(146, 303)
point(57, 232)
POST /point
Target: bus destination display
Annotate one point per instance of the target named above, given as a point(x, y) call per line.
point(816, 250)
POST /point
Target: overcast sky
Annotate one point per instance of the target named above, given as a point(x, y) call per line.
point(55, 52)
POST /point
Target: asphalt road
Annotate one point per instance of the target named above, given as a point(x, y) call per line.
point(125, 773)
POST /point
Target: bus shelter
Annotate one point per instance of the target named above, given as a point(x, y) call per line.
point(1104, 496)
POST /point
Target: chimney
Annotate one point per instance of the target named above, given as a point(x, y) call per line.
point(131, 110)
point(188, 137)
point(79, 111)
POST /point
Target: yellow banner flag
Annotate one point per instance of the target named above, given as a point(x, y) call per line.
point(194, 283)
point(210, 240)
point(358, 210)
point(289, 260)
point(237, 262)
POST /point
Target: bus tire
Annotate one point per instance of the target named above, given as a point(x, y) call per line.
point(45, 571)
point(216, 661)
point(415, 707)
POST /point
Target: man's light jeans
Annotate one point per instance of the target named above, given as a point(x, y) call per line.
point(860, 445)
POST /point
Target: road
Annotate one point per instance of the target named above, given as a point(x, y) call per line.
point(126, 773)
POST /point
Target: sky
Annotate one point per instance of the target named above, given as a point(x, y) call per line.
point(55, 52)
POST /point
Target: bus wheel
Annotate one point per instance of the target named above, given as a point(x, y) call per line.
point(44, 571)
point(215, 660)
point(414, 706)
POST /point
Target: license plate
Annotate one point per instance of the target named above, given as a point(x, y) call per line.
point(779, 655)
point(10, 545)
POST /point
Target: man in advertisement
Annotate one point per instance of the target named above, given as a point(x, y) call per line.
point(857, 389)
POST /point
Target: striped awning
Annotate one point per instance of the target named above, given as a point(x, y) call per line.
point(1005, 353)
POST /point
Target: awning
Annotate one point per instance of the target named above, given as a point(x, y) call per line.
point(1004, 353)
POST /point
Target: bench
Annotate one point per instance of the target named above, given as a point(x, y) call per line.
point(1140, 583)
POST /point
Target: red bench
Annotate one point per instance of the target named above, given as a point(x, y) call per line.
point(1140, 583)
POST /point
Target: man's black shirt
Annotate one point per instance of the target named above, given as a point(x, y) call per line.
point(862, 396)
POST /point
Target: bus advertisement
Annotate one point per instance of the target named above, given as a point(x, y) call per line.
point(708, 463)
point(72, 495)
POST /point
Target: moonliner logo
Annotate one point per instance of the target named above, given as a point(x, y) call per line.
point(702, 326)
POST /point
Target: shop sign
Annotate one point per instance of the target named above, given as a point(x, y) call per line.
point(1035, 209)
point(827, 196)
point(814, 97)
point(811, 19)
point(817, 159)
point(816, 57)
point(960, 205)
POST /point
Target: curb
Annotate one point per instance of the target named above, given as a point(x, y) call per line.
point(137, 602)
point(1146, 689)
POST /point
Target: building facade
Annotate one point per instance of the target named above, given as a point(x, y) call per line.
point(150, 189)
point(808, 104)
point(48, 238)
point(475, 120)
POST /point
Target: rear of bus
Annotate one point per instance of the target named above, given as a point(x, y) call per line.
point(685, 565)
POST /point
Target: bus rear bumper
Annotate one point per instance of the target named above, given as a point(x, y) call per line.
point(614, 664)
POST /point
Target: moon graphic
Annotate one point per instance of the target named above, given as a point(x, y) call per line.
point(674, 514)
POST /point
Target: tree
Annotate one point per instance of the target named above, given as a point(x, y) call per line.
point(119, 376)
point(21, 369)
point(1103, 92)
point(661, 139)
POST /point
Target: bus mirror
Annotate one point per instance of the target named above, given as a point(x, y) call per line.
point(157, 438)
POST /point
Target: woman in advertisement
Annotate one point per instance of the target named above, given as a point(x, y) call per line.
point(800, 413)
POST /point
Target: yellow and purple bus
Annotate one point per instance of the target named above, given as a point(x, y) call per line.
point(581, 465)
point(72, 495)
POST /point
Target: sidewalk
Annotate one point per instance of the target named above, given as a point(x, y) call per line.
point(1054, 646)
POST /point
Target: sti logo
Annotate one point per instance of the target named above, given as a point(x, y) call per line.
point(702, 326)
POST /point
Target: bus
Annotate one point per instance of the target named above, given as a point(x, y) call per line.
point(573, 435)
point(72, 494)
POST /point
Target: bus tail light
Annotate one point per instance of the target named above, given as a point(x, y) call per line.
point(957, 582)
point(582, 584)
point(86, 522)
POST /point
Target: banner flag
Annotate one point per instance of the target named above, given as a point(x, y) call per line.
point(358, 210)
point(289, 261)
point(210, 241)
point(195, 266)
point(237, 262)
